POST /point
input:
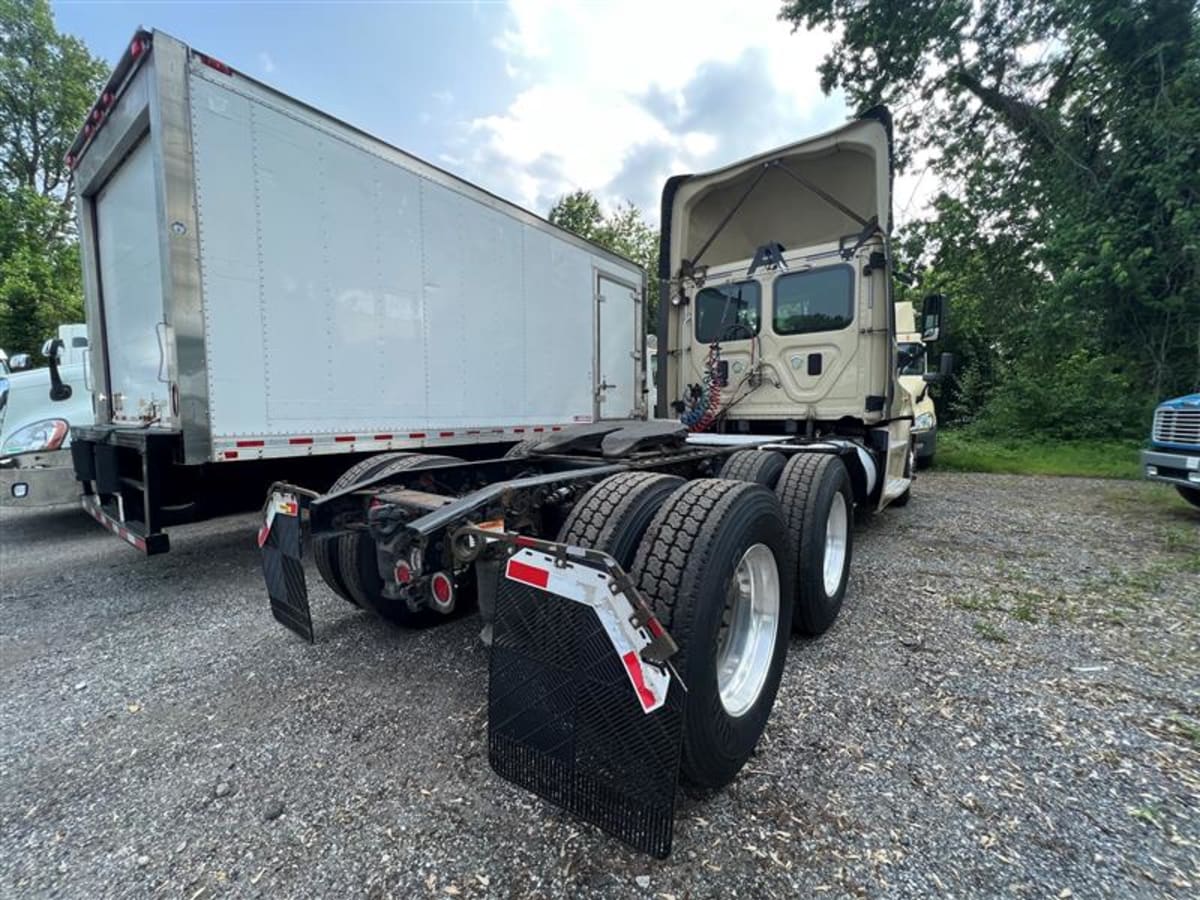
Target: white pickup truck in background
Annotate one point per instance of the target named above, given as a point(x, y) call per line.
point(37, 409)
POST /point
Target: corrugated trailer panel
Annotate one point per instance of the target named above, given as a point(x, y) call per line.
point(361, 296)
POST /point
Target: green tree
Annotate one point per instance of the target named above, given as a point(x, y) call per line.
point(1064, 132)
point(623, 231)
point(48, 82)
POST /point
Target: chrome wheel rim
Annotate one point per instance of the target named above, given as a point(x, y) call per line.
point(837, 532)
point(749, 624)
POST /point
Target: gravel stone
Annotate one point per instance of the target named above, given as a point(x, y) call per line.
point(272, 811)
point(1009, 704)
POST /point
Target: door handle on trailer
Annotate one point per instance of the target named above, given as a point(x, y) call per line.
point(162, 349)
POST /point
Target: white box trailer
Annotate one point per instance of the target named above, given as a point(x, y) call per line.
point(268, 286)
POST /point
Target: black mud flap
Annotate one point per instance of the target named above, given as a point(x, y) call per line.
point(280, 540)
point(568, 712)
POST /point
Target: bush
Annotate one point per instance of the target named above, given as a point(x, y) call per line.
point(1081, 397)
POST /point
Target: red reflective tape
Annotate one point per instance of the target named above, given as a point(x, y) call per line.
point(539, 428)
point(527, 574)
point(518, 431)
point(416, 434)
point(655, 627)
point(634, 666)
point(250, 443)
point(523, 541)
point(300, 440)
point(345, 439)
point(231, 454)
point(383, 437)
point(445, 434)
point(556, 428)
point(263, 534)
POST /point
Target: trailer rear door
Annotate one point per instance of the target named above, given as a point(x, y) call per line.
point(617, 374)
point(131, 289)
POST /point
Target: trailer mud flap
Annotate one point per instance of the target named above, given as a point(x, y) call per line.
point(574, 719)
point(280, 540)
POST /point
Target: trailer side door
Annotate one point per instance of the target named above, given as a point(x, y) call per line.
point(618, 383)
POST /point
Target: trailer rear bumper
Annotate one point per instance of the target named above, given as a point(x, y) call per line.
point(122, 473)
point(37, 480)
point(126, 531)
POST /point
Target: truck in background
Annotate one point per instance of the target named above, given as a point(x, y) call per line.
point(916, 377)
point(1174, 452)
point(38, 407)
point(272, 293)
point(617, 562)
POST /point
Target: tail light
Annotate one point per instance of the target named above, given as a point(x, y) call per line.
point(216, 64)
point(441, 590)
point(404, 573)
point(137, 48)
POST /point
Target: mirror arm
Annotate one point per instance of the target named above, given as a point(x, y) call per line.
point(58, 389)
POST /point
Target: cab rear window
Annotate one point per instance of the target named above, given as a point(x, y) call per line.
point(729, 312)
point(817, 300)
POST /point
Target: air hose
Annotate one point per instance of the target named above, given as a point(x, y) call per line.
point(704, 402)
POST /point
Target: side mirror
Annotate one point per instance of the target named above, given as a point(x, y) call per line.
point(59, 390)
point(945, 370)
point(20, 361)
point(932, 311)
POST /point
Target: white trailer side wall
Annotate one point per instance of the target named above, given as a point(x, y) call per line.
point(348, 291)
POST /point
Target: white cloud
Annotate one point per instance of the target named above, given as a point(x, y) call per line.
point(266, 62)
point(444, 97)
point(615, 96)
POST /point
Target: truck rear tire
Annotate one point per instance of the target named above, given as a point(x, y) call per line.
point(325, 553)
point(615, 513)
point(818, 503)
point(359, 566)
point(1190, 494)
point(714, 568)
point(756, 466)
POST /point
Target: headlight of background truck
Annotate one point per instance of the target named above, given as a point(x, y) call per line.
point(47, 434)
point(923, 422)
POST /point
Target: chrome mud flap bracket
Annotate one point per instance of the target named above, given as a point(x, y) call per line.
point(584, 709)
point(281, 541)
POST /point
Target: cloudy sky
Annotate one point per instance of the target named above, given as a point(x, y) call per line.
point(528, 98)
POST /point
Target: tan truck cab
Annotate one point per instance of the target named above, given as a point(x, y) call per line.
point(913, 367)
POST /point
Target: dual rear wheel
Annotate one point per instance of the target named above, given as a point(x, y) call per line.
point(727, 565)
point(348, 562)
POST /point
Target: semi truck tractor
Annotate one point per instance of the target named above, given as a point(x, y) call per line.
point(1174, 452)
point(639, 579)
point(272, 293)
point(916, 378)
point(37, 409)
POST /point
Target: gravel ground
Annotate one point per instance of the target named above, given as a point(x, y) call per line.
point(1009, 704)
